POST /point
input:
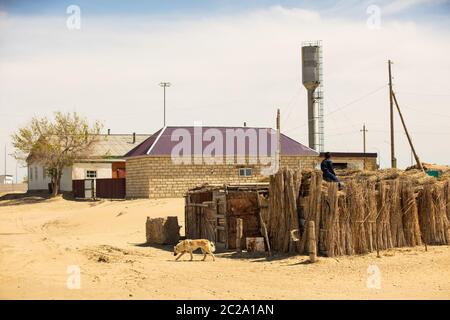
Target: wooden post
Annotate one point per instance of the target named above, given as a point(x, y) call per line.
point(263, 225)
point(364, 130)
point(266, 235)
point(419, 164)
point(312, 241)
point(239, 233)
point(278, 151)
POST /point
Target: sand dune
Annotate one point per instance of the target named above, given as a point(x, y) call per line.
point(41, 238)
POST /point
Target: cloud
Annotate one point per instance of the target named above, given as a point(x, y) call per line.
point(227, 69)
point(398, 6)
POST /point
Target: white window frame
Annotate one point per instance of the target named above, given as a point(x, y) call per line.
point(88, 172)
point(245, 172)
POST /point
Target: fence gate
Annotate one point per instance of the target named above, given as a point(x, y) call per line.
point(78, 188)
point(89, 188)
point(110, 188)
point(220, 222)
point(202, 214)
point(99, 188)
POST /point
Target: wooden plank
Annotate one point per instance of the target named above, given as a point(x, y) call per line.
point(217, 221)
point(225, 218)
point(220, 245)
point(220, 200)
point(263, 224)
point(239, 233)
point(312, 241)
point(200, 205)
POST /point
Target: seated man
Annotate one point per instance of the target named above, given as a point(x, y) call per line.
point(328, 172)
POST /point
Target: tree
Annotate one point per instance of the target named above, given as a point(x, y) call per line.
point(56, 144)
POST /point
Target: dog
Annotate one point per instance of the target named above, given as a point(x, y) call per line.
point(188, 245)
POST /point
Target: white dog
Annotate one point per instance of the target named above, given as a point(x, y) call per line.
point(188, 245)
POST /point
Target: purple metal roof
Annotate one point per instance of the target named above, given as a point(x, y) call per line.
point(162, 142)
point(143, 147)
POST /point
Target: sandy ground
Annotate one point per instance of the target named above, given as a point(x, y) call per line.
point(41, 238)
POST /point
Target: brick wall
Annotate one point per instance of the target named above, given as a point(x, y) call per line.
point(300, 162)
point(159, 177)
point(371, 164)
point(360, 163)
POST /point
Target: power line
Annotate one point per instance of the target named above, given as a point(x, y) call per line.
point(428, 113)
point(424, 94)
point(358, 99)
point(415, 132)
point(344, 106)
point(290, 105)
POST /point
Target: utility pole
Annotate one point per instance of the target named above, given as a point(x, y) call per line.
point(391, 103)
point(5, 161)
point(165, 85)
point(364, 143)
point(278, 158)
point(364, 130)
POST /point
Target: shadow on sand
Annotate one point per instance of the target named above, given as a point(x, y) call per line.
point(16, 199)
point(229, 254)
point(255, 256)
point(169, 248)
point(164, 247)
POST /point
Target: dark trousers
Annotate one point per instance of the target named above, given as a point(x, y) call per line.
point(329, 177)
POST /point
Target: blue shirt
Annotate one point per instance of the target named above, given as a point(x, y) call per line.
point(327, 167)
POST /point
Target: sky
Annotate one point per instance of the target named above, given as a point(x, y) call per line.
point(230, 62)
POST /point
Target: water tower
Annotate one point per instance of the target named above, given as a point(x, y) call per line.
point(312, 79)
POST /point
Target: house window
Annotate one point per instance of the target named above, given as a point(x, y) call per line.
point(340, 165)
point(43, 173)
point(91, 174)
point(245, 172)
point(36, 173)
point(31, 173)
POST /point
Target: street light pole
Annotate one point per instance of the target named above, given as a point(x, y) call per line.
point(165, 85)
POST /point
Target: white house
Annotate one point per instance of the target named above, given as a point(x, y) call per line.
point(6, 179)
point(106, 161)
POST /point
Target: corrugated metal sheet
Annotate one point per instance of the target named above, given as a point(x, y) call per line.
point(161, 144)
point(144, 146)
point(110, 188)
point(116, 145)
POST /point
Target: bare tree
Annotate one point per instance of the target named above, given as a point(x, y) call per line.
point(56, 144)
